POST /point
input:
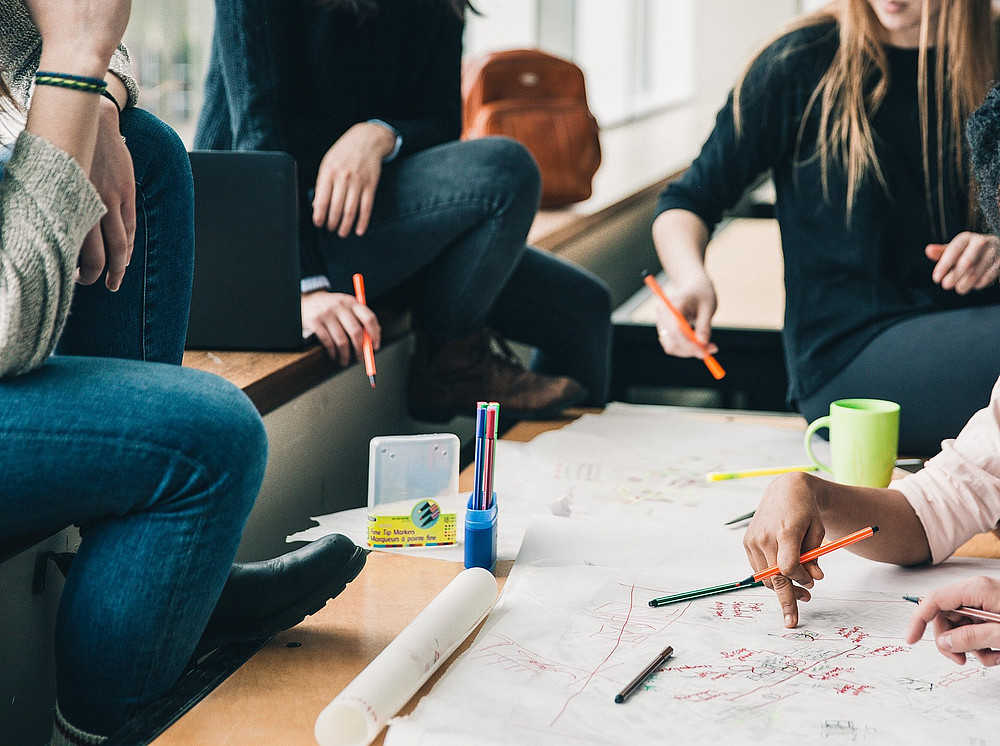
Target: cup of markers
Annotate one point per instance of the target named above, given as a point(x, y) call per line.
point(481, 510)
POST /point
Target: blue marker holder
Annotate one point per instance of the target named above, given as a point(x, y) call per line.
point(481, 536)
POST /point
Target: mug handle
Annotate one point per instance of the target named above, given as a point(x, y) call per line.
point(817, 424)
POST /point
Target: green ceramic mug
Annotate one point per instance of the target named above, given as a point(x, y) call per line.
point(864, 435)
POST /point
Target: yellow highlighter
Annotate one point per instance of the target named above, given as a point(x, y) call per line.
point(718, 476)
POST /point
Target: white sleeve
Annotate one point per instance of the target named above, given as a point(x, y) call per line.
point(957, 493)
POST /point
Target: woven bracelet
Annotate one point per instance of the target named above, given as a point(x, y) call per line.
point(75, 82)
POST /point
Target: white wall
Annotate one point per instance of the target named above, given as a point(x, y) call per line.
point(728, 32)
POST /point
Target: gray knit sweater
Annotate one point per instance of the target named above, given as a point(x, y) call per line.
point(47, 206)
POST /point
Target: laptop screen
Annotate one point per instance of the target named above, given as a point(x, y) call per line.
point(245, 294)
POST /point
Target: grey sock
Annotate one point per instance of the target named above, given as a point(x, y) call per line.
point(66, 734)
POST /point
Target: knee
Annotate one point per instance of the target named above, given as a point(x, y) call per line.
point(592, 293)
point(158, 155)
point(510, 168)
point(223, 435)
point(597, 295)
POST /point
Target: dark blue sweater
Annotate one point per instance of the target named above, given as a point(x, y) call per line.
point(314, 72)
point(844, 284)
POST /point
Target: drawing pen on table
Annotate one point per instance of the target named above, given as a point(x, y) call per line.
point(368, 351)
point(986, 616)
point(719, 476)
point(757, 578)
point(643, 675)
point(741, 518)
point(710, 362)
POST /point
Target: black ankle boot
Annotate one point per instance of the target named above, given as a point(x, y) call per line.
point(263, 598)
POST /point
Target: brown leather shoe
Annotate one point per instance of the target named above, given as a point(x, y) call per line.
point(482, 367)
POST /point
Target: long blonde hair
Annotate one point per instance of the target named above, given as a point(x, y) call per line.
point(966, 63)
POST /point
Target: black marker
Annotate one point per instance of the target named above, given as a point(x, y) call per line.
point(646, 672)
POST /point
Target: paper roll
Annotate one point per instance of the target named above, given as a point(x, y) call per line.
point(357, 714)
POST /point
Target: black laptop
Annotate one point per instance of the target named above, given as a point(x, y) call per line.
point(245, 294)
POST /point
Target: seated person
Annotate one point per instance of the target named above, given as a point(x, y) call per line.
point(925, 516)
point(890, 283)
point(365, 94)
point(158, 465)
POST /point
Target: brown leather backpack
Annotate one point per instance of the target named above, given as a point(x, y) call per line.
point(541, 101)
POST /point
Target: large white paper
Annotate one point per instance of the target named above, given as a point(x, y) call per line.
point(574, 627)
point(631, 461)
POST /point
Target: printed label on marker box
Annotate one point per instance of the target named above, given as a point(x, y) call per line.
point(425, 525)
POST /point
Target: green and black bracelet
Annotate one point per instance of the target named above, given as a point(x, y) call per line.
point(74, 82)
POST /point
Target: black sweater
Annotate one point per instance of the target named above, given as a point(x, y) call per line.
point(400, 63)
point(844, 284)
point(315, 72)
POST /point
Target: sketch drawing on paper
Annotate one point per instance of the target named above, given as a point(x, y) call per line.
point(845, 675)
point(649, 464)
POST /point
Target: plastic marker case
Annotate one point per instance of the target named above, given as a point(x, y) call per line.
point(413, 490)
point(481, 536)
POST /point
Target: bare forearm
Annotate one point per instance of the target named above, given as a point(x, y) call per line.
point(680, 238)
point(900, 540)
point(68, 120)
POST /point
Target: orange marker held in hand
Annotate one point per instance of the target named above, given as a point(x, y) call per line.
point(710, 362)
point(366, 345)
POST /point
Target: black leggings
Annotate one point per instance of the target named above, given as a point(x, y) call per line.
point(939, 367)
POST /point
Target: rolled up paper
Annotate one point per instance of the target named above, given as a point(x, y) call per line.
point(358, 714)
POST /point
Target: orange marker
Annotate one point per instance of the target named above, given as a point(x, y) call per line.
point(366, 345)
point(710, 362)
point(757, 578)
point(820, 551)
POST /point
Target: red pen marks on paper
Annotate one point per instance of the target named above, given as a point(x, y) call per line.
point(738, 609)
point(853, 689)
point(631, 605)
point(830, 673)
point(510, 656)
point(854, 634)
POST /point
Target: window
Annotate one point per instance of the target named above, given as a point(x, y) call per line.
point(638, 55)
point(169, 43)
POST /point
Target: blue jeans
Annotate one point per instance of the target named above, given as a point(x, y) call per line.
point(447, 235)
point(158, 465)
point(147, 318)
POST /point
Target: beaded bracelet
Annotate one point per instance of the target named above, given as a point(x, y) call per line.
point(76, 82)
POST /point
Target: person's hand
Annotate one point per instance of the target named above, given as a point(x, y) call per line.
point(79, 36)
point(348, 177)
point(956, 635)
point(339, 321)
point(696, 301)
point(970, 261)
point(786, 524)
point(110, 242)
